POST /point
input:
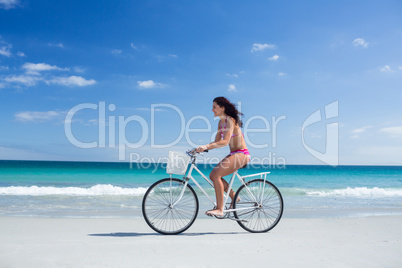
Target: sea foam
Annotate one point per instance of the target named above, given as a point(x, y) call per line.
point(96, 190)
point(358, 191)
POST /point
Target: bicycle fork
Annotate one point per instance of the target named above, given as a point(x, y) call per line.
point(185, 182)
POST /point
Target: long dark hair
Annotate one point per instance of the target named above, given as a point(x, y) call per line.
point(230, 109)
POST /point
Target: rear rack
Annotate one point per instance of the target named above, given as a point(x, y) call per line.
point(257, 174)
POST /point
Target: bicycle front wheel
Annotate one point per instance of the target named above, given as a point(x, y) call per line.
point(260, 206)
point(162, 213)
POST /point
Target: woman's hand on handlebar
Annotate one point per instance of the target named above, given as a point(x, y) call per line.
point(201, 149)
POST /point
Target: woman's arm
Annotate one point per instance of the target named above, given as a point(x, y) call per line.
point(220, 142)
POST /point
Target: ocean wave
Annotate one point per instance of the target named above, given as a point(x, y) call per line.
point(358, 191)
point(96, 190)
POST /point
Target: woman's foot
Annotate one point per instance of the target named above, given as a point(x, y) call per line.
point(214, 212)
point(231, 204)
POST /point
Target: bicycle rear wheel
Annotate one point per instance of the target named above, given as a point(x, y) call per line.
point(261, 206)
point(160, 211)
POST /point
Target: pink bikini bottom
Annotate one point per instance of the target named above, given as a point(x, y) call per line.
point(242, 151)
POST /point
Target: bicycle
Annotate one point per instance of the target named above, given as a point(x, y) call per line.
point(170, 205)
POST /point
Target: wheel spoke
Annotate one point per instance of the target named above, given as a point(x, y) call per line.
point(158, 209)
point(261, 216)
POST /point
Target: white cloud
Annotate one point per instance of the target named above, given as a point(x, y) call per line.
point(146, 84)
point(32, 78)
point(149, 84)
point(274, 58)
point(21, 54)
point(60, 45)
point(5, 51)
point(132, 46)
point(117, 51)
point(232, 88)
point(393, 131)
point(360, 42)
point(78, 69)
point(358, 131)
point(35, 68)
point(33, 75)
point(163, 57)
point(71, 81)
point(7, 4)
point(281, 74)
point(92, 122)
point(261, 47)
point(23, 79)
point(2, 68)
point(31, 116)
point(386, 69)
point(2, 85)
point(233, 75)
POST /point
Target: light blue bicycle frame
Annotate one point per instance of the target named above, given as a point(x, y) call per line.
point(257, 200)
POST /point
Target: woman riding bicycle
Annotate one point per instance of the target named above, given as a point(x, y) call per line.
point(229, 133)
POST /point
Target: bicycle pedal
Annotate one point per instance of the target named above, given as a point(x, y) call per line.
point(225, 216)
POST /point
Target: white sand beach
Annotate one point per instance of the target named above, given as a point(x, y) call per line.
point(312, 242)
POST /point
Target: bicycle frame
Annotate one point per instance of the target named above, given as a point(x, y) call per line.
point(226, 196)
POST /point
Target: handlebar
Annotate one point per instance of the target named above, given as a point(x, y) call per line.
point(193, 152)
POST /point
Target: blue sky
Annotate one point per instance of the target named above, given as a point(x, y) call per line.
point(282, 61)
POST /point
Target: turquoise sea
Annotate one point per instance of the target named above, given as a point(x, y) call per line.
point(99, 189)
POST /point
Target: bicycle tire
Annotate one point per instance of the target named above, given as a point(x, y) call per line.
point(262, 215)
point(158, 212)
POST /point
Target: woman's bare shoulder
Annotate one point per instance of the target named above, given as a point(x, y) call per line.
point(232, 121)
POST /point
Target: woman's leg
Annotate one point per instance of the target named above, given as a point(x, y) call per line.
point(226, 188)
point(227, 166)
